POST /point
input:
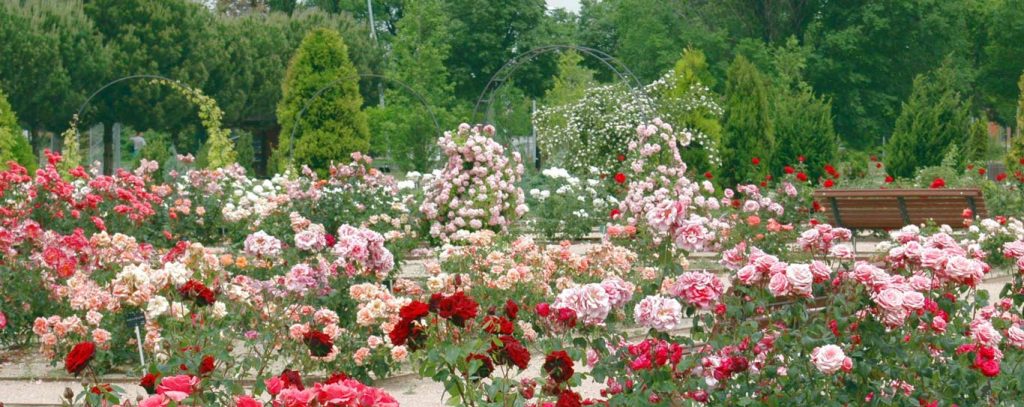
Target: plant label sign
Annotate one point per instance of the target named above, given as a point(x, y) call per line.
point(135, 319)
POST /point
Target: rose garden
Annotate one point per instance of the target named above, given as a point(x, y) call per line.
point(658, 243)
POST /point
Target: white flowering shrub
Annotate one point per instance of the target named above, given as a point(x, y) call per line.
point(597, 129)
point(567, 207)
point(477, 189)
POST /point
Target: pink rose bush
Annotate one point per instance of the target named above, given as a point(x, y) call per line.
point(478, 187)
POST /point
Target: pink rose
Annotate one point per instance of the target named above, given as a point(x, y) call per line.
point(154, 401)
point(913, 300)
point(335, 394)
point(748, 275)
point(800, 279)
point(246, 401)
point(920, 282)
point(779, 285)
point(890, 299)
point(933, 258)
point(828, 359)
point(293, 397)
point(1015, 336)
point(698, 288)
point(619, 291)
point(659, 313)
point(178, 387)
point(274, 385)
point(821, 271)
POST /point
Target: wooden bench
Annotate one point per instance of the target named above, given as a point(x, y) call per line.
point(894, 208)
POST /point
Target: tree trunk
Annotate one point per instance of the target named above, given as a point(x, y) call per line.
point(108, 147)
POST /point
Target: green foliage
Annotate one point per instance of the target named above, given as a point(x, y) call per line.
point(930, 122)
point(571, 82)
point(749, 132)
point(157, 147)
point(867, 54)
point(404, 127)
point(1015, 156)
point(803, 121)
point(1003, 57)
point(13, 147)
point(334, 125)
point(976, 149)
point(245, 149)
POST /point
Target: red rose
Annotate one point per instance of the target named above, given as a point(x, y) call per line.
point(497, 325)
point(889, 179)
point(458, 308)
point(938, 183)
point(558, 365)
point(79, 357)
point(800, 158)
point(828, 183)
point(206, 365)
point(567, 317)
point(319, 343)
point(1001, 177)
point(3, 321)
point(707, 174)
point(414, 310)
point(989, 367)
point(291, 378)
point(1022, 160)
point(330, 239)
point(801, 176)
point(336, 378)
point(511, 352)
point(569, 398)
point(620, 178)
point(197, 292)
point(788, 170)
point(543, 309)
point(878, 165)
point(486, 365)
point(755, 161)
point(148, 382)
point(615, 213)
point(621, 158)
point(511, 309)
point(982, 171)
point(101, 389)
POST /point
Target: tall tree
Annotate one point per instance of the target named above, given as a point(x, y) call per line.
point(13, 147)
point(486, 34)
point(687, 101)
point(933, 120)
point(1015, 157)
point(333, 126)
point(406, 130)
point(749, 134)
point(866, 55)
point(173, 38)
point(1003, 58)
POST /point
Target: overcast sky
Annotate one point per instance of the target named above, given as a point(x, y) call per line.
point(571, 5)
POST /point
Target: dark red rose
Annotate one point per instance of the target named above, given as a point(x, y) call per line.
point(511, 309)
point(486, 365)
point(621, 158)
point(206, 365)
point(458, 308)
point(567, 317)
point(708, 175)
point(400, 333)
point(614, 213)
point(889, 179)
point(414, 310)
point(569, 398)
point(788, 170)
point(336, 378)
point(79, 357)
point(511, 352)
point(497, 325)
point(620, 178)
point(435, 301)
point(558, 365)
point(291, 378)
point(828, 183)
point(148, 382)
point(197, 292)
point(319, 343)
point(801, 176)
point(329, 238)
point(1001, 177)
point(938, 183)
point(543, 309)
point(755, 161)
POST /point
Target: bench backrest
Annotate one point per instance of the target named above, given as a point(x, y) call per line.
point(895, 208)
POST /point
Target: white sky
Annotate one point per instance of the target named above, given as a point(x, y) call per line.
point(571, 5)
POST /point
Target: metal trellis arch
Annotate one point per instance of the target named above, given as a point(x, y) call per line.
point(316, 95)
point(505, 72)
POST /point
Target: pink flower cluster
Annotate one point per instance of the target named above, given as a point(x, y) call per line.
point(659, 313)
point(362, 250)
point(782, 279)
point(829, 359)
point(262, 244)
point(822, 237)
point(941, 255)
point(477, 189)
point(699, 288)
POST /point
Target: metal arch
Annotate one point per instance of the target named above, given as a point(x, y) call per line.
point(316, 95)
point(511, 66)
point(122, 79)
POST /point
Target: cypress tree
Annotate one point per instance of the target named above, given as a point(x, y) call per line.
point(13, 147)
point(930, 122)
point(749, 134)
point(334, 126)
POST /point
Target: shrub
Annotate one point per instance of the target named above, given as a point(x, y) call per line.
point(749, 137)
